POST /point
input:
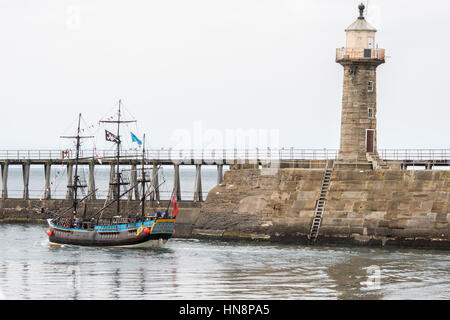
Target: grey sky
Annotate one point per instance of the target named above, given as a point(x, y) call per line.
point(229, 64)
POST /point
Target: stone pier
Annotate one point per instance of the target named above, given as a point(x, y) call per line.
point(364, 207)
point(359, 199)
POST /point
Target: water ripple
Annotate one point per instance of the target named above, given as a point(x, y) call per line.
point(193, 269)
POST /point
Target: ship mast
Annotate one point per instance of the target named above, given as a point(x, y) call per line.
point(76, 183)
point(76, 178)
point(118, 183)
point(118, 174)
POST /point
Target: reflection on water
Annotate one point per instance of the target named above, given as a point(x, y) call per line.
point(193, 269)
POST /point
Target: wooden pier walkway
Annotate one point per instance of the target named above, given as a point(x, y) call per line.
point(279, 157)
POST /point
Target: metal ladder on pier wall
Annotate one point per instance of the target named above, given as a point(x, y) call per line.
point(320, 205)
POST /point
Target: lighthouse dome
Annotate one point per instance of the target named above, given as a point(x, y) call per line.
point(361, 25)
point(360, 34)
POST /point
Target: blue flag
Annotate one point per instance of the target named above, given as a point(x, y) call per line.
point(135, 139)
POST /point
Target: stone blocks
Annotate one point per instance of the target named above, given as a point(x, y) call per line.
point(386, 206)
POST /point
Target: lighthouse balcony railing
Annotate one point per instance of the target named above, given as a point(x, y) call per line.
point(359, 54)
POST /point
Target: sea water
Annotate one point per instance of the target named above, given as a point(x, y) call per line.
point(202, 269)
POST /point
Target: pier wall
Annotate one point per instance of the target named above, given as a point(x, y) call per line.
point(375, 207)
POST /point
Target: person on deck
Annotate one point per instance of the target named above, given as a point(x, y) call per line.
point(158, 212)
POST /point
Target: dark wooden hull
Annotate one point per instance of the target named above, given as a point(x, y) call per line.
point(115, 235)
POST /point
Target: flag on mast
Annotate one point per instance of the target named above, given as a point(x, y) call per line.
point(135, 139)
point(109, 136)
point(175, 206)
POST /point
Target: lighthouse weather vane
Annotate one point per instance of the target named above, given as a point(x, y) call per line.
point(361, 11)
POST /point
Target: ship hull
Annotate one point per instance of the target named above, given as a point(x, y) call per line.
point(122, 236)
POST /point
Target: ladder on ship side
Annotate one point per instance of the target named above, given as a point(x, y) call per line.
point(320, 205)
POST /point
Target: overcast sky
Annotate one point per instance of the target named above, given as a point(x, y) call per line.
point(210, 67)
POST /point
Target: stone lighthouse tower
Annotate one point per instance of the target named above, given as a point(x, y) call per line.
point(360, 59)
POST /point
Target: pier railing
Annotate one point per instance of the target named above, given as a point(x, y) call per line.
point(224, 154)
point(176, 154)
point(415, 154)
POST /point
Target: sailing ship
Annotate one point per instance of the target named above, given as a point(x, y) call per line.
point(138, 230)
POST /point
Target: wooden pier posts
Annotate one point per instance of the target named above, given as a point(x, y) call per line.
point(219, 174)
point(91, 181)
point(111, 190)
point(5, 167)
point(69, 192)
point(26, 179)
point(47, 171)
point(134, 194)
point(155, 182)
point(198, 194)
point(176, 181)
point(133, 181)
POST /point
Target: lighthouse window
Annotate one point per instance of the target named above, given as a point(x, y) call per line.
point(370, 86)
point(371, 113)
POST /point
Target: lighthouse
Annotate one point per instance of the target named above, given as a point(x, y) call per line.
point(360, 59)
